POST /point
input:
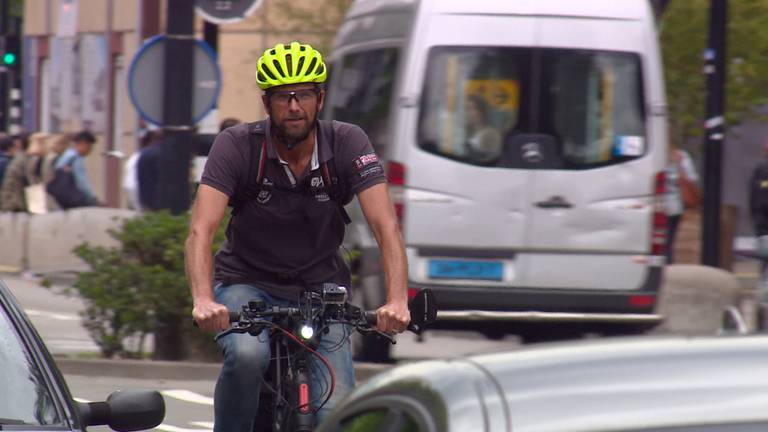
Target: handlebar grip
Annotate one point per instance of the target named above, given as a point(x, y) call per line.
point(370, 317)
point(233, 317)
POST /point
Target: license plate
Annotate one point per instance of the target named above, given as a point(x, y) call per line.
point(455, 269)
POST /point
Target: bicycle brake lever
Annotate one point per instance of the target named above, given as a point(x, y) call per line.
point(386, 336)
point(237, 328)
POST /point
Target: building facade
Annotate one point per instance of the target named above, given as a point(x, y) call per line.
point(77, 56)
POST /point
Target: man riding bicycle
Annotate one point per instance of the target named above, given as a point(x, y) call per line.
point(287, 179)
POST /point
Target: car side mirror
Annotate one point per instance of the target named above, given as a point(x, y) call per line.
point(423, 308)
point(125, 410)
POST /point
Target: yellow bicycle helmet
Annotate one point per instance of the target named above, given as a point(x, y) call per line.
point(290, 64)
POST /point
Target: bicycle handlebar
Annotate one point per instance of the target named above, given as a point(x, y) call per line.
point(330, 307)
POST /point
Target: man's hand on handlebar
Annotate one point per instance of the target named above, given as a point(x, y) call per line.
point(393, 317)
point(210, 316)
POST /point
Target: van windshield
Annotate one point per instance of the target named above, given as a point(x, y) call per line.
point(477, 99)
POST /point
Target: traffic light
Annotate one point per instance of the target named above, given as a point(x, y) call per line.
point(10, 56)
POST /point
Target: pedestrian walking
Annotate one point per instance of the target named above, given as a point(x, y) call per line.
point(682, 192)
point(70, 185)
point(23, 172)
point(148, 166)
point(7, 151)
point(228, 123)
point(758, 209)
point(147, 136)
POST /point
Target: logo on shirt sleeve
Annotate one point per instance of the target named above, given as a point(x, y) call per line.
point(364, 160)
point(368, 165)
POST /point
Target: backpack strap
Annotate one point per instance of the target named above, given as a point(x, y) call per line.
point(333, 187)
point(256, 157)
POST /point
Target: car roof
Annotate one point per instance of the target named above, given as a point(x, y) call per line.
point(633, 383)
point(601, 385)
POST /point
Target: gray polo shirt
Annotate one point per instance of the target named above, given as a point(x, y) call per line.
point(287, 238)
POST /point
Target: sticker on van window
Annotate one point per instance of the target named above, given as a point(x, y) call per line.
point(629, 145)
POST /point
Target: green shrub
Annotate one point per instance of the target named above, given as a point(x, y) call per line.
point(139, 288)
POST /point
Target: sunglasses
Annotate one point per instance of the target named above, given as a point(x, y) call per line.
point(303, 97)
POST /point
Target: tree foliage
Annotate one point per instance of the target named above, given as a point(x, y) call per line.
point(322, 19)
point(684, 30)
point(16, 8)
point(140, 286)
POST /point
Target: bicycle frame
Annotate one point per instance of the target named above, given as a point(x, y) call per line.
point(286, 403)
point(285, 399)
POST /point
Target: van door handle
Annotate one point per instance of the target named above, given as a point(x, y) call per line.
point(554, 203)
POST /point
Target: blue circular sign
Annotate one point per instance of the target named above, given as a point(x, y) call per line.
point(145, 80)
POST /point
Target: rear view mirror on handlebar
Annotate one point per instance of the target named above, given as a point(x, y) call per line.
point(423, 308)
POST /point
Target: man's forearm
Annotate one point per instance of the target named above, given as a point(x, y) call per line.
point(395, 264)
point(198, 265)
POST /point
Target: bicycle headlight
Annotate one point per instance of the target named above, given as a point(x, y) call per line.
point(306, 331)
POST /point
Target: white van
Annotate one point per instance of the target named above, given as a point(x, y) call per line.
point(525, 144)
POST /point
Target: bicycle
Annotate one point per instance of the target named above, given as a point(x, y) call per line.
point(295, 331)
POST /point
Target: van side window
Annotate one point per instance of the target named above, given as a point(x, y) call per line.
point(362, 92)
point(592, 103)
point(471, 100)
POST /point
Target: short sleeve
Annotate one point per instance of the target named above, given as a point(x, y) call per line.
point(224, 166)
point(689, 169)
point(361, 166)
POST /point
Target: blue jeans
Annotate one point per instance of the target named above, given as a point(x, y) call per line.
point(246, 359)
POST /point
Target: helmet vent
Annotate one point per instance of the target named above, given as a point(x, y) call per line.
point(278, 67)
point(320, 69)
point(289, 65)
point(312, 65)
point(267, 72)
point(301, 65)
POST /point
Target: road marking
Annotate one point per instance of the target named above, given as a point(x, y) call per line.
point(169, 428)
point(188, 396)
point(54, 315)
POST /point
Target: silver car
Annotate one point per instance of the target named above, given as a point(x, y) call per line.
point(650, 385)
point(35, 397)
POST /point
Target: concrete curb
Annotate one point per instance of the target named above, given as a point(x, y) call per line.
point(169, 370)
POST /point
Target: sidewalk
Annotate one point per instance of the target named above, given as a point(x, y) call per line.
point(169, 370)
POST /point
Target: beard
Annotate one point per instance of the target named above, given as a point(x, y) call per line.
point(291, 137)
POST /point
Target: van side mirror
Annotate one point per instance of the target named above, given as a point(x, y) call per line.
point(125, 410)
point(423, 308)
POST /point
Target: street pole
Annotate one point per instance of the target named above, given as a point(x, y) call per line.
point(5, 81)
point(177, 144)
point(715, 70)
point(211, 35)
